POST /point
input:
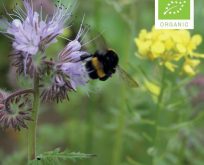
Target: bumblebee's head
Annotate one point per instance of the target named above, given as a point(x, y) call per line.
point(112, 57)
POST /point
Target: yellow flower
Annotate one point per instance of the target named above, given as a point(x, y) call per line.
point(152, 88)
point(170, 66)
point(143, 34)
point(189, 66)
point(181, 48)
point(157, 49)
point(195, 41)
point(144, 46)
point(169, 47)
point(181, 36)
point(169, 44)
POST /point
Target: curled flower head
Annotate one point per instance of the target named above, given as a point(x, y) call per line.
point(3, 96)
point(15, 109)
point(169, 47)
point(69, 73)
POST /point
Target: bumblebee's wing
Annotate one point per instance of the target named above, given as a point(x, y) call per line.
point(94, 41)
point(127, 78)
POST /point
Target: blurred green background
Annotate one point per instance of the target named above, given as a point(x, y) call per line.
point(110, 119)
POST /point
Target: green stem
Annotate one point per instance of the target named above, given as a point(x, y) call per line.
point(157, 113)
point(90, 131)
point(117, 147)
point(160, 98)
point(182, 152)
point(33, 125)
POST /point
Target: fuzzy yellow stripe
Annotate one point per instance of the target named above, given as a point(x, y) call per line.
point(96, 64)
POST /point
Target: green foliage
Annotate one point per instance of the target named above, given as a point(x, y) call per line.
point(55, 157)
point(15, 158)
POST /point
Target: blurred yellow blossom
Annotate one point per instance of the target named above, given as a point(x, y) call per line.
point(152, 88)
point(169, 47)
point(189, 66)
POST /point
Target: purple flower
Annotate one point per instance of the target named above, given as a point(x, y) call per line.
point(72, 52)
point(23, 62)
point(76, 72)
point(70, 62)
point(26, 36)
point(30, 31)
point(70, 71)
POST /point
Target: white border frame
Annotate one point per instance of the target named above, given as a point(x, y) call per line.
point(189, 22)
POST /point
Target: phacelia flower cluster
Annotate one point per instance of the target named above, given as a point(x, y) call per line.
point(32, 32)
point(69, 72)
point(169, 48)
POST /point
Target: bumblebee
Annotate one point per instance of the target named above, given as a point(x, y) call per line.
point(102, 64)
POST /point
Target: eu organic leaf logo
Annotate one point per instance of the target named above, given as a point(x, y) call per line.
point(174, 7)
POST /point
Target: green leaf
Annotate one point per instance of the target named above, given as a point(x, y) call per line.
point(55, 156)
point(132, 161)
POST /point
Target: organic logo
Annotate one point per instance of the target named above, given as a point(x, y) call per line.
point(174, 9)
point(174, 14)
